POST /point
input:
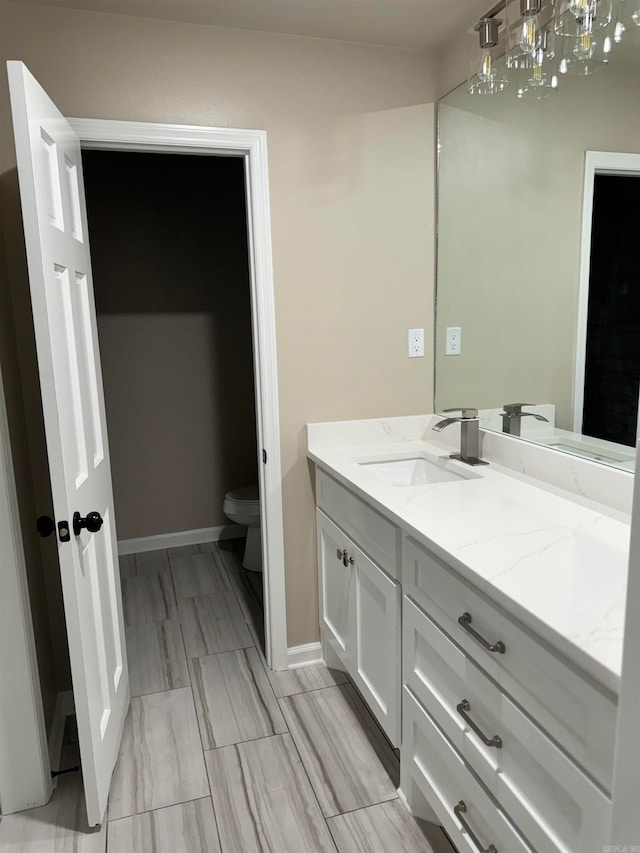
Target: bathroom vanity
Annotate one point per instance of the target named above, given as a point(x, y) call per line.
point(479, 611)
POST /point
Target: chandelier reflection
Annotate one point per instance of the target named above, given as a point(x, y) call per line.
point(538, 41)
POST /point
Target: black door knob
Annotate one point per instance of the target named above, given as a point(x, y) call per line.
point(92, 521)
point(45, 526)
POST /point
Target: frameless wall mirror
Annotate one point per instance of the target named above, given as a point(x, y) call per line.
point(538, 291)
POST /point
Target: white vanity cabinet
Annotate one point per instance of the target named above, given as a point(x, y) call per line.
point(532, 731)
point(502, 738)
point(360, 601)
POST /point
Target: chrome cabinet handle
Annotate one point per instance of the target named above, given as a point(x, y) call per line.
point(499, 647)
point(346, 560)
point(463, 709)
point(459, 810)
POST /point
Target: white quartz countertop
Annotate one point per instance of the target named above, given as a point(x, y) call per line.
point(557, 562)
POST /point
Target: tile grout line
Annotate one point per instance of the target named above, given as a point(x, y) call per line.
point(330, 687)
point(232, 589)
point(306, 773)
point(349, 680)
point(195, 709)
point(162, 690)
point(170, 690)
point(311, 689)
point(378, 725)
point(232, 651)
point(237, 598)
point(363, 808)
point(302, 765)
point(223, 563)
point(252, 740)
point(159, 809)
point(278, 701)
point(206, 769)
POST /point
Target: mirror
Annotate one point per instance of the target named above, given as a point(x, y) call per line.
point(516, 274)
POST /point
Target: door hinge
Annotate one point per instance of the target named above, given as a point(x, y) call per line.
point(264, 456)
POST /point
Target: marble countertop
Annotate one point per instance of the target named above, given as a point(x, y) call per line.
point(556, 561)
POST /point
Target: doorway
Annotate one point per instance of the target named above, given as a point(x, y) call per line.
point(64, 320)
point(612, 363)
point(171, 279)
point(250, 147)
point(607, 365)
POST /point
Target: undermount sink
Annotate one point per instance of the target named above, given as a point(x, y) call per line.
point(415, 471)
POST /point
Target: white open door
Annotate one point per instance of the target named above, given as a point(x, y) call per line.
point(55, 226)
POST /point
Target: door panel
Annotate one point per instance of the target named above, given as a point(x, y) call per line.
point(336, 584)
point(378, 669)
point(55, 225)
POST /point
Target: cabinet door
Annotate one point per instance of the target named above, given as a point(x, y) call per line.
point(377, 671)
point(336, 584)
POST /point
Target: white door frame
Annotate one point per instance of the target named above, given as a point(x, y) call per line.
point(595, 163)
point(251, 145)
point(25, 771)
point(625, 790)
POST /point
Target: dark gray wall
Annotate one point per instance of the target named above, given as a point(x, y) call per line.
point(170, 266)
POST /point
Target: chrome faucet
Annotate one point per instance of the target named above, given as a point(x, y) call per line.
point(512, 417)
point(469, 435)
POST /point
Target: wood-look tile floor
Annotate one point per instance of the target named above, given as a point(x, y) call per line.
point(219, 753)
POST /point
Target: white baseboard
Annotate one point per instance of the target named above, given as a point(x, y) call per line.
point(306, 655)
point(64, 708)
point(177, 540)
point(404, 800)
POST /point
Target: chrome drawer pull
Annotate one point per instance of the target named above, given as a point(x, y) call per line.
point(465, 621)
point(463, 709)
point(459, 810)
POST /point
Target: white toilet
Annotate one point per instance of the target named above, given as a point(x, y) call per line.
point(242, 506)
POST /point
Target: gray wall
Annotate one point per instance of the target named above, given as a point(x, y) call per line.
point(351, 160)
point(171, 279)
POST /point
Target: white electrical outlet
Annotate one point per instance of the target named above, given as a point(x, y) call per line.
point(416, 343)
point(454, 340)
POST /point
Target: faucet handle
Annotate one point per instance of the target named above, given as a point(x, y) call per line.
point(466, 413)
point(515, 408)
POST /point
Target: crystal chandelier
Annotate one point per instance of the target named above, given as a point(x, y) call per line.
point(538, 41)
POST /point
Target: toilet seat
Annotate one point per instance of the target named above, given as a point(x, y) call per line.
point(246, 493)
point(243, 505)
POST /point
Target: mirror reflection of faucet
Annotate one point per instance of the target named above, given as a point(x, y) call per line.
point(512, 417)
point(469, 434)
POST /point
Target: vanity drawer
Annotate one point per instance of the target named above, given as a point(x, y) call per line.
point(431, 763)
point(573, 710)
point(554, 804)
point(371, 531)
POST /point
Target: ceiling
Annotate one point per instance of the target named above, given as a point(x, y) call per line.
point(418, 24)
